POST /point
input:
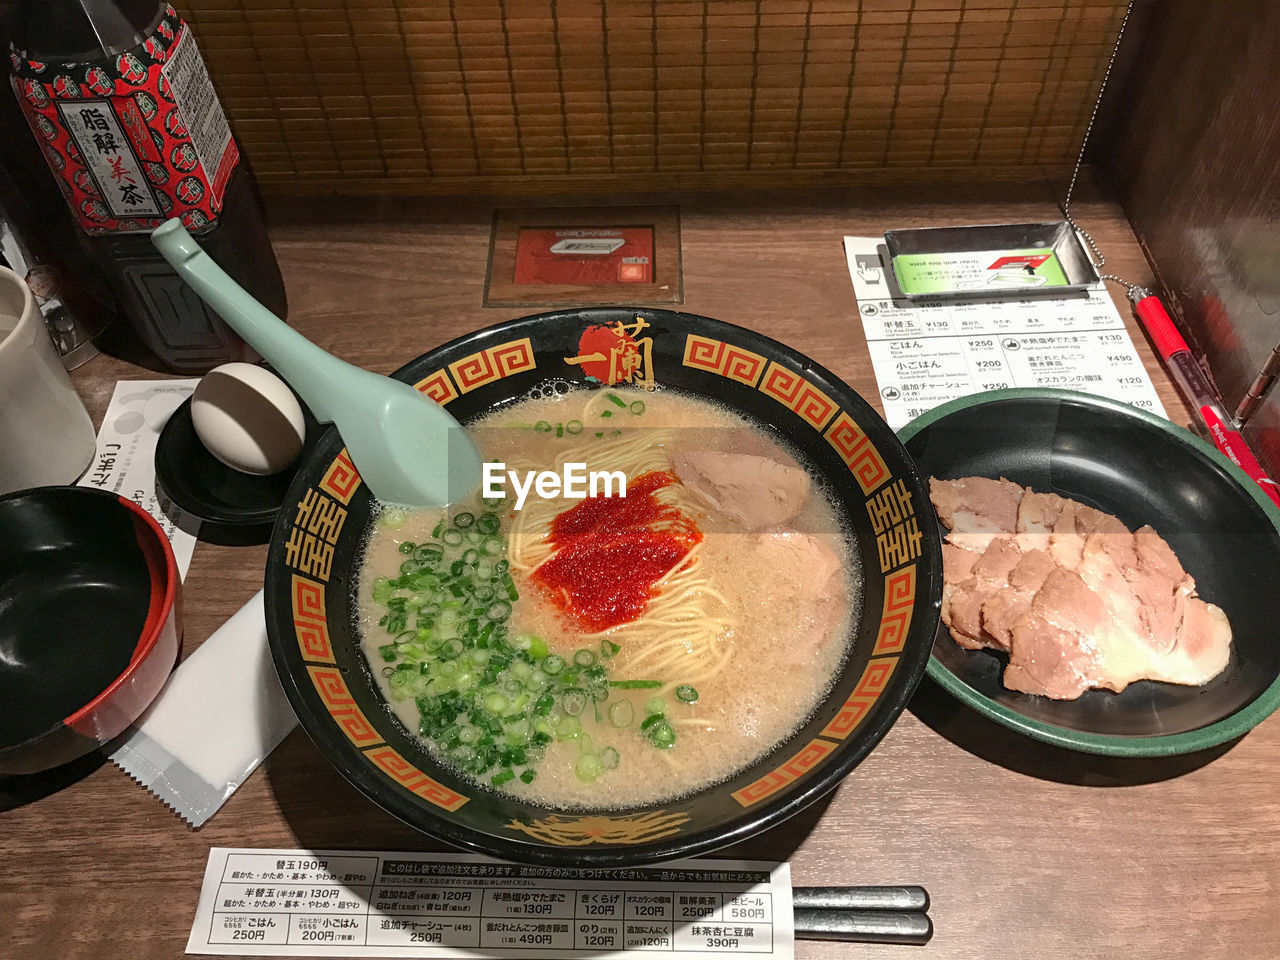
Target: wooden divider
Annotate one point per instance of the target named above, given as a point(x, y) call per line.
point(431, 96)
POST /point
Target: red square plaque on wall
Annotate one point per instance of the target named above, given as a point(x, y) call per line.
point(574, 255)
point(584, 256)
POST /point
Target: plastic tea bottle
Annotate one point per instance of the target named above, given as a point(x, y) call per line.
point(118, 96)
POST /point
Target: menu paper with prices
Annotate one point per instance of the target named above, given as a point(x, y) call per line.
point(925, 354)
point(125, 459)
point(288, 903)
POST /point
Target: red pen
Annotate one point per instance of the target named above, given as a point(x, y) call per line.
point(1195, 387)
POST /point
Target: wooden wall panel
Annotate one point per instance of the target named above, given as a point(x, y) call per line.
point(1193, 138)
point(433, 96)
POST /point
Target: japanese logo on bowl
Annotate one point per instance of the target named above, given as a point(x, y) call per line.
point(584, 256)
point(612, 353)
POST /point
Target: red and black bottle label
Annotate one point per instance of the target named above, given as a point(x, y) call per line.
point(136, 139)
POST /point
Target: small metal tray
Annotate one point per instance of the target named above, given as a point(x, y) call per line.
point(1059, 237)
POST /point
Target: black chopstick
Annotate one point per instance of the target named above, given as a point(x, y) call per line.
point(889, 914)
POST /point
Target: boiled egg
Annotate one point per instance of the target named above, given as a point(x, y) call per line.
point(248, 418)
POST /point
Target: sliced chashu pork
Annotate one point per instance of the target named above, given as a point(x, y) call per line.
point(758, 492)
point(1126, 612)
point(809, 593)
point(977, 511)
point(988, 577)
point(974, 509)
point(1002, 610)
point(1072, 639)
point(1054, 644)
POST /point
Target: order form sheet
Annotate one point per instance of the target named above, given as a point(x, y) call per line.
point(304, 903)
point(926, 352)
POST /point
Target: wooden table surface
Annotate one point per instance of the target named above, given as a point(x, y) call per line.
point(1027, 851)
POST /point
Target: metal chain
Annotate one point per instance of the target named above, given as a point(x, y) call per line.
point(1084, 146)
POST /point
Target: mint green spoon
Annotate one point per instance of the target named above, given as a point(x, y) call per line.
point(405, 446)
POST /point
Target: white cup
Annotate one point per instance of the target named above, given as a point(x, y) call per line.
point(46, 436)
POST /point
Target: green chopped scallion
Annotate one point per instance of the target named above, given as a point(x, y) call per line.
point(588, 767)
point(621, 713)
point(661, 734)
point(568, 728)
point(574, 701)
point(428, 552)
point(391, 519)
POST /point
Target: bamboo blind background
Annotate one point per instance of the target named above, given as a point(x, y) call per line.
point(431, 96)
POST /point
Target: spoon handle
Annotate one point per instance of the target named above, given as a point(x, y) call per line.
point(304, 365)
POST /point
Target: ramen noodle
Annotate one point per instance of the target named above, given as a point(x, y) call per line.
point(611, 651)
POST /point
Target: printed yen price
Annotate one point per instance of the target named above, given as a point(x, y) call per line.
point(378, 904)
point(925, 353)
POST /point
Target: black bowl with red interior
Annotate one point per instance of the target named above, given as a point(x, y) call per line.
point(90, 622)
point(318, 541)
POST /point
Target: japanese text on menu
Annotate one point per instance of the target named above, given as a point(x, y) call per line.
point(925, 354)
point(362, 904)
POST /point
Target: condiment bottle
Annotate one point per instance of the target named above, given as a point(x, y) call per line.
point(119, 98)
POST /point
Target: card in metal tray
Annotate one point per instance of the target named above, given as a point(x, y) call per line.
point(1013, 261)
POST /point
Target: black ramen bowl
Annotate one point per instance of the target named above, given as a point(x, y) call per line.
point(316, 547)
point(1144, 470)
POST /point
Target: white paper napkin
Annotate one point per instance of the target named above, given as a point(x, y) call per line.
point(220, 714)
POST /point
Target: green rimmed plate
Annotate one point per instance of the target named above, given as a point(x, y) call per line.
point(1143, 469)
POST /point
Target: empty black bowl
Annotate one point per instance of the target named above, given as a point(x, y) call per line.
point(1144, 470)
point(90, 622)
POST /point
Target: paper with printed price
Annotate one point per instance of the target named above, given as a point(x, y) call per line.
point(925, 354)
point(125, 459)
point(380, 904)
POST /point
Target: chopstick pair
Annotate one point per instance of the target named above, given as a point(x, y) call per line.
point(863, 914)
